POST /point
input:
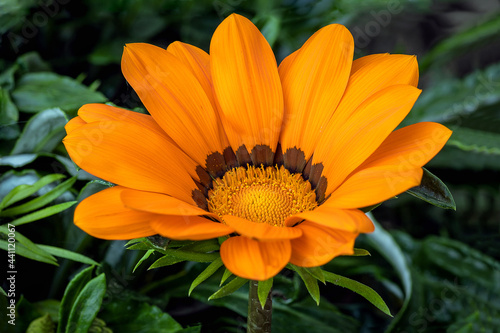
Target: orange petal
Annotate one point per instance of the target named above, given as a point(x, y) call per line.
point(132, 156)
point(345, 145)
point(159, 204)
point(352, 220)
point(385, 71)
point(374, 185)
point(103, 215)
point(412, 146)
point(318, 245)
point(254, 260)
point(103, 112)
point(174, 97)
point(246, 84)
point(73, 124)
point(189, 227)
point(360, 62)
point(260, 231)
point(313, 84)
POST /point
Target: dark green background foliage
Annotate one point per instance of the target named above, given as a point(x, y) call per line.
point(438, 270)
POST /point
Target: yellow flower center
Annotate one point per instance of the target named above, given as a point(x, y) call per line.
point(265, 195)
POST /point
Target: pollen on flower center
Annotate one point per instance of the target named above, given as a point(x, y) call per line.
point(261, 194)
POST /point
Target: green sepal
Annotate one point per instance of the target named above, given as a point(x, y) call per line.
point(370, 208)
point(225, 276)
point(207, 272)
point(317, 272)
point(359, 288)
point(360, 253)
point(229, 288)
point(310, 281)
point(263, 289)
point(433, 191)
point(208, 245)
point(144, 257)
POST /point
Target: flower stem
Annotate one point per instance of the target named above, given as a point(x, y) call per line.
point(259, 319)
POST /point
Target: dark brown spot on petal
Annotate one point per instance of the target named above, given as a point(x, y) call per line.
point(205, 179)
point(321, 189)
point(307, 170)
point(230, 158)
point(215, 164)
point(278, 156)
point(200, 199)
point(294, 160)
point(243, 157)
point(315, 174)
point(262, 155)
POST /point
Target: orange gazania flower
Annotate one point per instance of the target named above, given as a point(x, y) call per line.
point(280, 159)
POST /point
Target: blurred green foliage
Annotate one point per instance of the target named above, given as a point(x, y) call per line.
point(438, 270)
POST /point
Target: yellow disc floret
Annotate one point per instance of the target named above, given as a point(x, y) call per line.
point(261, 194)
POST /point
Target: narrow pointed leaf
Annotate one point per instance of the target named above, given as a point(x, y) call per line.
point(263, 290)
point(23, 191)
point(144, 257)
point(165, 261)
point(43, 213)
point(229, 288)
point(67, 254)
point(359, 288)
point(317, 272)
point(225, 276)
point(433, 191)
point(41, 200)
point(309, 280)
point(207, 272)
point(360, 253)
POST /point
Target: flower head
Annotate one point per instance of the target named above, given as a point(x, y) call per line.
point(280, 159)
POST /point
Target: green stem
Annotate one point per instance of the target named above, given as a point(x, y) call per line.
point(259, 319)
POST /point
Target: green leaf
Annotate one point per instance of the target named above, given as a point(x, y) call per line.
point(225, 276)
point(263, 290)
point(3, 291)
point(43, 213)
point(23, 191)
point(385, 244)
point(72, 291)
point(23, 251)
point(433, 191)
point(208, 245)
point(8, 111)
point(67, 254)
point(132, 316)
point(191, 256)
point(44, 90)
point(41, 200)
point(144, 257)
point(86, 305)
point(461, 42)
point(26, 248)
point(359, 288)
point(472, 140)
point(317, 272)
point(310, 281)
point(229, 288)
point(165, 261)
point(207, 272)
point(43, 132)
